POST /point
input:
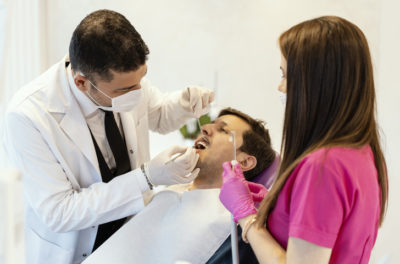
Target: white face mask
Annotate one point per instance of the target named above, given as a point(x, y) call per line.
point(282, 96)
point(123, 103)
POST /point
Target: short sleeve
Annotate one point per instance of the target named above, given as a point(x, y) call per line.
point(319, 201)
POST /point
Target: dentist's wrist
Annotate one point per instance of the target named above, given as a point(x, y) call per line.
point(145, 171)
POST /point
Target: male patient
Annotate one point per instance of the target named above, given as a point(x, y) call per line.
point(187, 222)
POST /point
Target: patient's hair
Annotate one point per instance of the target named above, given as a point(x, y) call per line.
point(105, 40)
point(256, 142)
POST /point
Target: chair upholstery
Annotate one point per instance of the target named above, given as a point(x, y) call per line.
point(267, 177)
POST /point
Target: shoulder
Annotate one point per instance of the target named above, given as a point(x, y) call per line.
point(332, 156)
point(41, 93)
point(22, 97)
point(339, 166)
point(38, 90)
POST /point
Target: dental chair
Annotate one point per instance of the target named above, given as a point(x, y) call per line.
point(246, 255)
point(267, 177)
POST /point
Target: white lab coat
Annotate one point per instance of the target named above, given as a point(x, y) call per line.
point(47, 138)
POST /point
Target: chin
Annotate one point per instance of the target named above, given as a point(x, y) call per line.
point(202, 158)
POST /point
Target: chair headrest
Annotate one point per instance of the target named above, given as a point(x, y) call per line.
point(267, 176)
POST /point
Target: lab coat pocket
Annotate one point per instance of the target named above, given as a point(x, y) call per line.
point(41, 251)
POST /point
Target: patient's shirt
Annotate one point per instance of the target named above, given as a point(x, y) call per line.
point(177, 225)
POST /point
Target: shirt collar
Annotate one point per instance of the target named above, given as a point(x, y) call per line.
point(88, 107)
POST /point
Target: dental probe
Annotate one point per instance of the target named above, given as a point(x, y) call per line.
point(174, 157)
point(234, 235)
point(232, 138)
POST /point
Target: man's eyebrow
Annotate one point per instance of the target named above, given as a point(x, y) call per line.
point(220, 122)
point(223, 123)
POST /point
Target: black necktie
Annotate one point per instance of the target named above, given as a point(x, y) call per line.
point(118, 148)
point(117, 145)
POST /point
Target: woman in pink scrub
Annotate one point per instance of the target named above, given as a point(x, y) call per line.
point(330, 195)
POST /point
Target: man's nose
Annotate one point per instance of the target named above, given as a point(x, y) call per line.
point(206, 130)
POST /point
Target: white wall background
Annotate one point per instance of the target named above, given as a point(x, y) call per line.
point(388, 95)
point(231, 46)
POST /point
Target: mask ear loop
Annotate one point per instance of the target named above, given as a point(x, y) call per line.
point(88, 93)
point(91, 97)
point(109, 97)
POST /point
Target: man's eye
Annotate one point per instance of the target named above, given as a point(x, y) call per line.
point(127, 89)
point(224, 130)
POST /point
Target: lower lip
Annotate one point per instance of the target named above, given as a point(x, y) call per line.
point(198, 150)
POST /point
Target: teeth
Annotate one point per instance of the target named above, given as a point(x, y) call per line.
point(201, 143)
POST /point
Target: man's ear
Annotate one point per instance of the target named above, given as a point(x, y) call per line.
point(247, 162)
point(80, 81)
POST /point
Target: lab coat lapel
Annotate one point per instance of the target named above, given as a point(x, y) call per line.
point(74, 124)
point(129, 127)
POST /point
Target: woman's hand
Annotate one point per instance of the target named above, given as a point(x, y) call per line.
point(258, 192)
point(237, 194)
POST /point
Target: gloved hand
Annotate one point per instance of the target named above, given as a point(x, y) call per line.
point(258, 192)
point(235, 194)
point(164, 169)
point(197, 100)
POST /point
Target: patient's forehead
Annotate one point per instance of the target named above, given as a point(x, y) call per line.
point(232, 122)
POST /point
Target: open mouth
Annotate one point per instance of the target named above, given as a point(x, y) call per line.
point(201, 143)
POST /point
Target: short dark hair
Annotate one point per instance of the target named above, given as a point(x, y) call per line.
point(256, 142)
point(105, 40)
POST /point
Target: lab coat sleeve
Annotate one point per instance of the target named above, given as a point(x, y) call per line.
point(62, 205)
point(166, 114)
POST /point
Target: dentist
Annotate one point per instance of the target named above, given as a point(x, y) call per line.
point(79, 135)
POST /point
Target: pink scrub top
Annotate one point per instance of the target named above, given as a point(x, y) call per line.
point(331, 199)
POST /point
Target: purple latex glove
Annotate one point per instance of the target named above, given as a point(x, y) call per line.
point(258, 192)
point(235, 194)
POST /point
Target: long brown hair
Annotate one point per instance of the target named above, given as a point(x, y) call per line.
point(330, 98)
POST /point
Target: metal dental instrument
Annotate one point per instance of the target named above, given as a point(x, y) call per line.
point(174, 157)
point(234, 235)
point(233, 139)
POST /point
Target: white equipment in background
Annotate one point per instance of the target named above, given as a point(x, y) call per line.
point(11, 217)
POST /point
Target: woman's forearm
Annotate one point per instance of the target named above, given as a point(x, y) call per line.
point(265, 247)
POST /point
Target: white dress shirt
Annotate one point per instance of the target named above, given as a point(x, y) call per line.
point(95, 120)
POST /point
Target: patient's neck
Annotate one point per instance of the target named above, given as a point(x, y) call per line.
point(207, 182)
